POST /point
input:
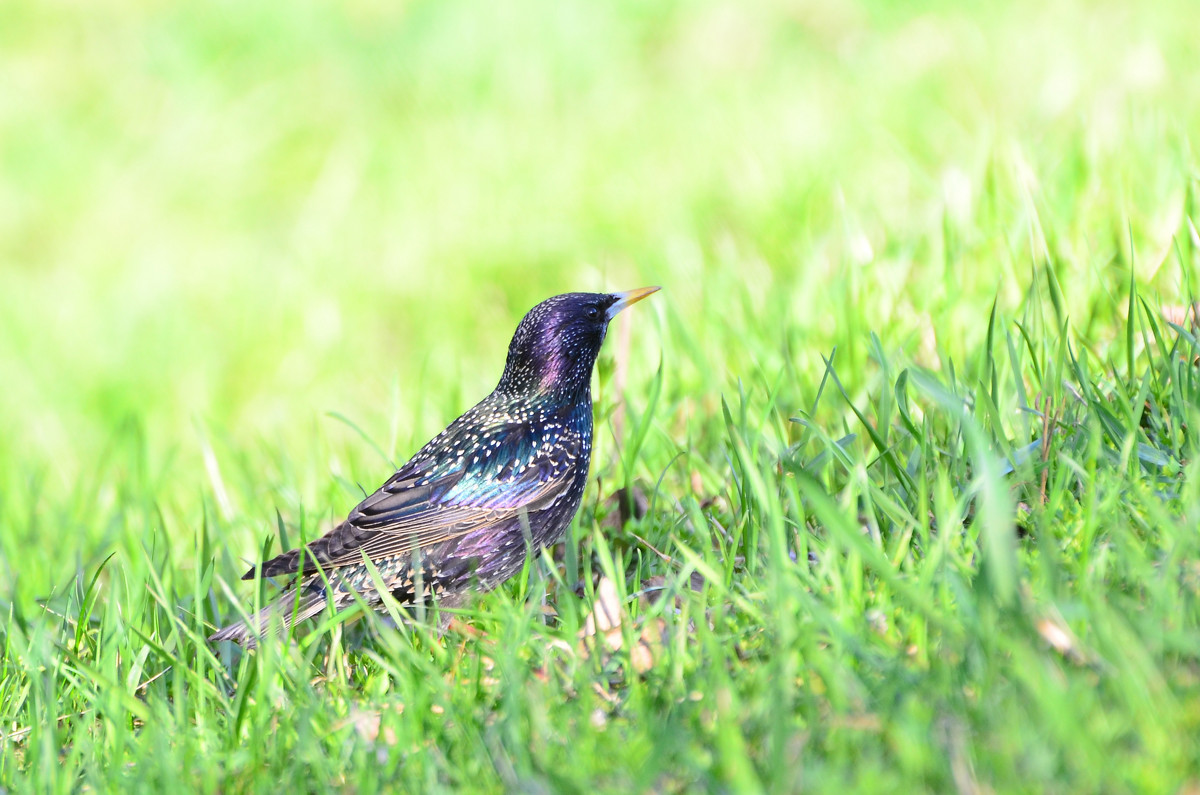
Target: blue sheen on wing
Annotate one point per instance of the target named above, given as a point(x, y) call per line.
point(514, 464)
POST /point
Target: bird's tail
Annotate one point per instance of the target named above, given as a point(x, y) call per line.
point(289, 609)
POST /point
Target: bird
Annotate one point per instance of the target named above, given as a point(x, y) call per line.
point(498, 485)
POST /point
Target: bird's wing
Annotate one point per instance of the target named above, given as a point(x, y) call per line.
point(435, 498)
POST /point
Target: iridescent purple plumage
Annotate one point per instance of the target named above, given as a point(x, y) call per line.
point(503, 481)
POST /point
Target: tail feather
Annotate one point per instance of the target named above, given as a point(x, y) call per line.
point(287, 610)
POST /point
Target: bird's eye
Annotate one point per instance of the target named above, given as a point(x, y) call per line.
point(592, 312)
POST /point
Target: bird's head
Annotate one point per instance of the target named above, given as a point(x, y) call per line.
point(556, 343)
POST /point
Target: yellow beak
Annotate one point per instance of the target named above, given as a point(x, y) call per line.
point(629, 298)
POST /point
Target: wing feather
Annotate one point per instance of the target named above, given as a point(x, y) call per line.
point(433, 499)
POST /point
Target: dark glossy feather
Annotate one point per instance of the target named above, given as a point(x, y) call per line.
point(500, 483)
point(440, 495)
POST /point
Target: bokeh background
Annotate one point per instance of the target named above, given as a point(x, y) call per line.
point(222, 223)
point(252, 254)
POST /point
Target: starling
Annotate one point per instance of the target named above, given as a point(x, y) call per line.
point(501, 482)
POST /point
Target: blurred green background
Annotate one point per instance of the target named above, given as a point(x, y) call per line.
point(243, 245)
point(249, 214)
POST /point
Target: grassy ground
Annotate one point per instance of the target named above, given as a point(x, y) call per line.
point(895, 486)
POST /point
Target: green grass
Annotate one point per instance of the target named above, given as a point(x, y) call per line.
point(911, 421)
